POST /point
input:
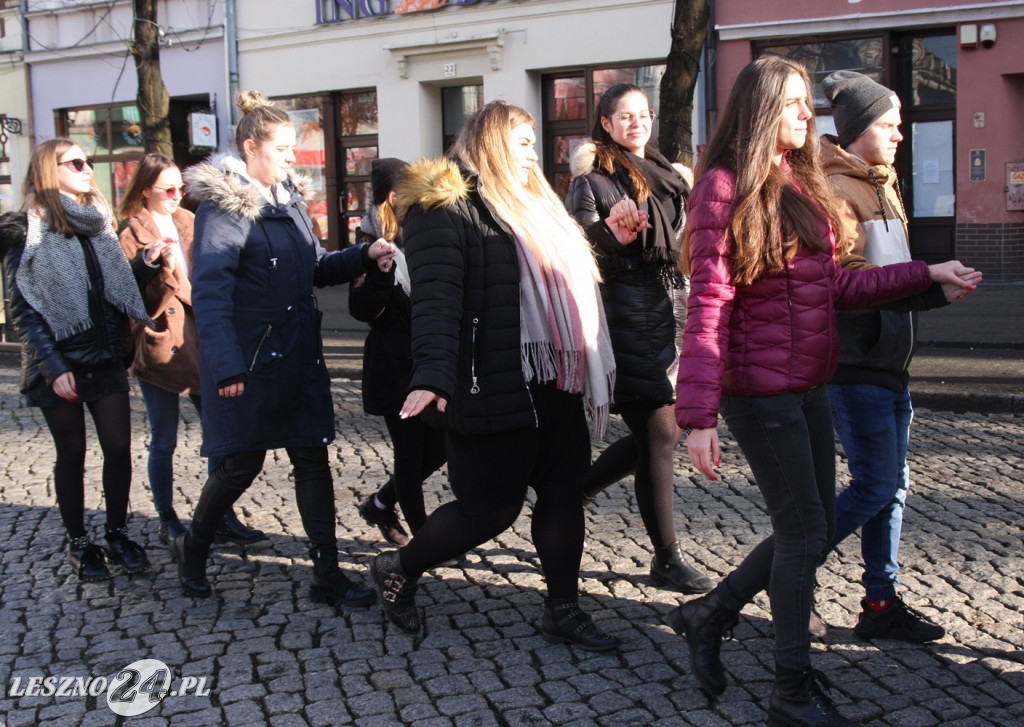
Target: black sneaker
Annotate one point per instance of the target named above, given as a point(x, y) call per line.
point(896, 621)
point(386, 521)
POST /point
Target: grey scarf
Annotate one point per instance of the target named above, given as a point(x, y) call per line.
point(54, 279)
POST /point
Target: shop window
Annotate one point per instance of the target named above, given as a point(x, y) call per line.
point(820, 58)
point(311, 156)
point(569, 117)
point(933, 70)
point(458, 103)
point(111, 136)
point(357, 148)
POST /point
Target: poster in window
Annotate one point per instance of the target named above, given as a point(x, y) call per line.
point(1015, 186)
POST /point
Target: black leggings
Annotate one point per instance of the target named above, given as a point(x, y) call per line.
point(650, 451)
point(419, 451)
point(112, 418)
point(490, 474)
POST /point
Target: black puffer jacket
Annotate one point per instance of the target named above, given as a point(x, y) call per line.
point(465, 303)
point(640, 309)
point(42, 356)
point(387, 355)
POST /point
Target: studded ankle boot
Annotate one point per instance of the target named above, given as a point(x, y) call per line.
point(565, 622)
point(397, 591)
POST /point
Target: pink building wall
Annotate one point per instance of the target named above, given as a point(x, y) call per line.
point(989, 80)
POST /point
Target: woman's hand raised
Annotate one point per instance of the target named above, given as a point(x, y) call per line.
point(626, 221)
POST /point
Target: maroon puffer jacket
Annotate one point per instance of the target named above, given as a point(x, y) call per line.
point(777, 334)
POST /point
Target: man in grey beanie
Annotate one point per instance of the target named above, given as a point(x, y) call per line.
point(869, 394)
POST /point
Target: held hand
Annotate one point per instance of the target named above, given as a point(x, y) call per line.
point(418, 400)
point(702, 446)
point(152, 254)
point(953, 291)
point(167, 258)
point(626, 221)
point(232, 390)
point(954, 273)
point(64, 386)
point(381, 248)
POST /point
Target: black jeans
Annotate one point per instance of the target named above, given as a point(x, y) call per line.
point(790, 446)
point(314, 492)
point(489, 476)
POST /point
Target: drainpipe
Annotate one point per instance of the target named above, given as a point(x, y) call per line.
point(710, 68)
point(232, 50)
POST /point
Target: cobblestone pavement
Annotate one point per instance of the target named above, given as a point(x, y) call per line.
point(271, 656)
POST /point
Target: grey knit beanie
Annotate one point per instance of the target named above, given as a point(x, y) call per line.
point(857, 102)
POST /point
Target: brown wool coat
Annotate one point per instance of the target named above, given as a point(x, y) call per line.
point(167, 357)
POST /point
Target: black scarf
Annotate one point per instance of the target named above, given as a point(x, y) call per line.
point(660, 243)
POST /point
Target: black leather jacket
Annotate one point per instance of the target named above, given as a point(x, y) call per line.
point(42, 356)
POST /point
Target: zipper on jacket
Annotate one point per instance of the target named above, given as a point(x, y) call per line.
point(474, 388)
point(263, 339)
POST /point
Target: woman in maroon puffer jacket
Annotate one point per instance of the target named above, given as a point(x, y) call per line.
point(760, 340)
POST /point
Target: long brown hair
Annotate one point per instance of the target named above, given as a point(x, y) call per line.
point(609, 152)
point(149, 169)
point(41, 189)
point(770, 217)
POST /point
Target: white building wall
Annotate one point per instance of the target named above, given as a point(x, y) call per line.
point(282, 52)
point(78, 55)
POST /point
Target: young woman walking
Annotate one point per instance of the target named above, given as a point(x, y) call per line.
point(760, 343)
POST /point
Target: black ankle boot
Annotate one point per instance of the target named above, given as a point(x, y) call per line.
point(170, 526)
point(329, 585)
point(231, 528)
point(124, 552)
point(87, 560)
point(385, 519)
point(798, 700)
point(397, 591)
point(191, 557)
point(704, 622)
point(670, 568)
point(565, 622)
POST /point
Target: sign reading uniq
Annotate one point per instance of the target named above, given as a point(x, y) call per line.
point(336, 11)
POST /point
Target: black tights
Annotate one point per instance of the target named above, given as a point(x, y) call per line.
point(649, 449)
point(419, 451)
point(112, 418)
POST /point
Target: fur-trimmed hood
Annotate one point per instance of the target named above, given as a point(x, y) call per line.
point(582, 160)
point(223, 180)
point(431, 183)
point(584, 157)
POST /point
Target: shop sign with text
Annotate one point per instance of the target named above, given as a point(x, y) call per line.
point(336, 11)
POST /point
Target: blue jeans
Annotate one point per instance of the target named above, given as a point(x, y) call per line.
point(873, 424)
point(788, 442)
point(162, 409)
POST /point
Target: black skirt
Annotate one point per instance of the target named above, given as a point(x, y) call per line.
point(92, 385)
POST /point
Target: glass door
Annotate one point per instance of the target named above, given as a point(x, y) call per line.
point(925, 162)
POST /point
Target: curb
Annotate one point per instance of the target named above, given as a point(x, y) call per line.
point(964, 403)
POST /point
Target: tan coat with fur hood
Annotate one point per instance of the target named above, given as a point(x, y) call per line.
point(167, 356)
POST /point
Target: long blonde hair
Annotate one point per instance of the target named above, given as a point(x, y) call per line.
point(770, 217)
point(41, 189)
point(484, 147)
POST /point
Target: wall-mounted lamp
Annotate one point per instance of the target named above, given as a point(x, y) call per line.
point(10, 124)
point(987, 35)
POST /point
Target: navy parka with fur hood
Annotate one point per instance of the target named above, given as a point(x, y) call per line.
point(254, 266)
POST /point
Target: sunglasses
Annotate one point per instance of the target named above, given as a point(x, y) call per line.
point(79, 164)
point(172, 192)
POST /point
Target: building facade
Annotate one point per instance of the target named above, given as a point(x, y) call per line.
point(959, 72)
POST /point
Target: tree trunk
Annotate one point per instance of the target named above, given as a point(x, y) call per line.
point(689, 31)
point(153, 100)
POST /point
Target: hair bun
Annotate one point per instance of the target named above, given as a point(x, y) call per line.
point(249, 101)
